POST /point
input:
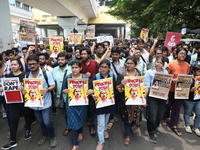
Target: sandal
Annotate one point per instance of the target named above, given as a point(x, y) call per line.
point(116, 119)
point(164, 122)
point(127, 141)
point(176, 131)
point(133, 129)
point(110, 125)
point(92, 131)
point(80, 137)
point(100, 146)
point(75, 147)
point(66, 131)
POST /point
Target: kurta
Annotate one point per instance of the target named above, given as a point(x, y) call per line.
point(76, 115)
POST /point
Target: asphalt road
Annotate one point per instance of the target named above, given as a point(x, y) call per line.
point(166, 140)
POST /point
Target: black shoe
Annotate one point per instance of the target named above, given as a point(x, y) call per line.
point(10, 145)
point(152, 138)
point(157, 132)
point(27, 135)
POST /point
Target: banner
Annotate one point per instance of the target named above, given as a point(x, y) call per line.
point(160, 86)
point(101, 39)
point(33, 97)
point(197, 85)
point(56, 44)
point(134, 91)
point(182, 88)
point(78, 89)
point(172, 39)
point(11, 90)
point(27, 31)
point(90, 32)
point(104, 90)
point(144, 34)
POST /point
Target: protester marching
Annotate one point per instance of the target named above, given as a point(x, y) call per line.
point(96, 81)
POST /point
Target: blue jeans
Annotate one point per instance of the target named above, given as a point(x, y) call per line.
point(102, 121)
point(188, 106)
point(127, 127)
point(44, 117)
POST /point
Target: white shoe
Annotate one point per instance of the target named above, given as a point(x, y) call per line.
point(196, 131)
point(188, 129)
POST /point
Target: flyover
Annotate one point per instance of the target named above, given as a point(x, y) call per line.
point(70, 13)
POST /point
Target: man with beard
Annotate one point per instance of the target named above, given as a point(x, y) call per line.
point(144, 54)
point(43, 60)
point(89, 68)
point(141, 66)
point(100, 51)
point(62, 69)
point(43, 113)
point(77, 53)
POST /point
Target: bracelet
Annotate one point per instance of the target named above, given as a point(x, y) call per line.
point(48, 90)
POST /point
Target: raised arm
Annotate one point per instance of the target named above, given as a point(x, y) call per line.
point(151, 52)
point(93, 48)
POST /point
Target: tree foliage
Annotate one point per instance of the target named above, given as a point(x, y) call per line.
point(157, 15)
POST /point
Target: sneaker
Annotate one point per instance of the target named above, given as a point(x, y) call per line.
point(100, 146)
point(152, 138)
point(196, 131)
point(53, 142)
point(188, 129)
point(42, 141)
point(27, 135)
point(4, 115)
point(106, 135)
point(10, 145)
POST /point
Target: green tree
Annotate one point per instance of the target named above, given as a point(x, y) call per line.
point(157, 15)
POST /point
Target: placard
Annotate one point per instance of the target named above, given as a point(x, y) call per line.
point(27, 31)
point(78, 89)
point(104, 90)
point(33, 97)
point(134, 90)
point(160, 86)
point(182, 87)
point(11, 90)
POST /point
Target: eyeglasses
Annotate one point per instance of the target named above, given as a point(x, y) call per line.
point(84, 54)
point(130, 63)
point(104, 67)
point(41, 58)
point(182, 53)
point(33, 64)
point(137, 52)
point(159, 53)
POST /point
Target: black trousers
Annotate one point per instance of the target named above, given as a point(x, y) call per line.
point(91, 112)
point(15, 111)
point(155, 111)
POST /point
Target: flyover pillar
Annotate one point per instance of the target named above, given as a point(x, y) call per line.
point(68, 24)
point(6, 36)
point(81, 29)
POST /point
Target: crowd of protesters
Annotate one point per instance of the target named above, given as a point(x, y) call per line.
point(93, 61)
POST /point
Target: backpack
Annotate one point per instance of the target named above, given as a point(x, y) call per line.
point(44, 74)
point(98, 76)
